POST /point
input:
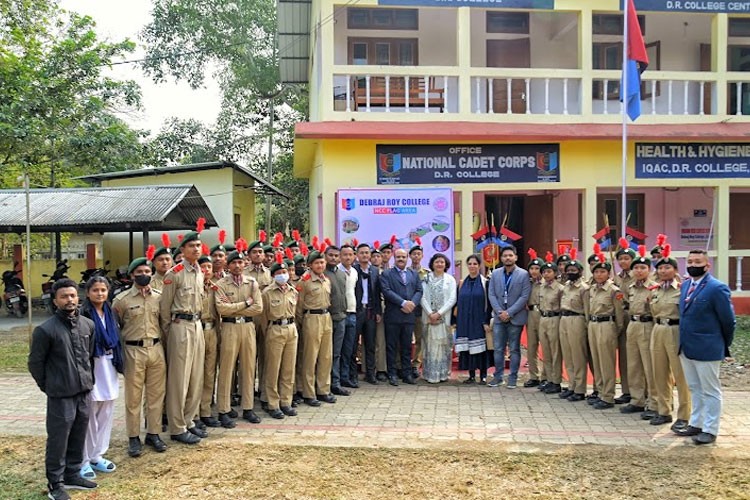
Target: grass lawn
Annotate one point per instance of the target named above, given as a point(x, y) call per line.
point(741, 345)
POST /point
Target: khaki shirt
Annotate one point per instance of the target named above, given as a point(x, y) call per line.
point(230, 298)
point(138, 314)
point(182, 293)
point(534, 295)
point(279, 303)
point(314, 293)
point(261, 274)
point(572, 298)
point(208, 311)
point(623, 280)
point(665, 304)
point(606, 300)
point(638, 298)
point(550, 295)
point(157, 281)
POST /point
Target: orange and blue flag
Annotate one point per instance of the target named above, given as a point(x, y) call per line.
point(635, 64)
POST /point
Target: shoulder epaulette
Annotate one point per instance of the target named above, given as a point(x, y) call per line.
point(306, 276)
point(654, 287)
point(179, 267)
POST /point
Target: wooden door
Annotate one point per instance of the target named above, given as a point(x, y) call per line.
point(739, 236)
point(538, 225)
point(705, 65)
point(509, 54)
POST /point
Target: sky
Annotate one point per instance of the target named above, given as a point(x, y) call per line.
point(117, 20)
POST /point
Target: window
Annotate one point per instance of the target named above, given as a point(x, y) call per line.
point(609, 56)
point(508, 22)
point(611, 204)
point(613, 24)
point(382, 19)
point(739, 26)
point(383, 51)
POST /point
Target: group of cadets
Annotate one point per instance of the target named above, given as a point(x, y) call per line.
point(626, 321)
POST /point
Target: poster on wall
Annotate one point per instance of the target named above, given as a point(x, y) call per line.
point(411, 215)
point(695, 231)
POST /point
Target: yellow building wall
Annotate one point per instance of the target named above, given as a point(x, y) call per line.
point(243, 206)
point(47, 266)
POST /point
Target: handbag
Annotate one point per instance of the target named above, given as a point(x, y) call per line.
point(488, 337)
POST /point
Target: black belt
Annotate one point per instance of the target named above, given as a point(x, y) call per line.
point(641, 318)
point(534, 307)
point(601, 319)
point(549, 314)
point(316, 311)
point(570, 313)
point(238, 320)
point(283, 321)
point(666, 321)
point(189, 317)
point(142, 343)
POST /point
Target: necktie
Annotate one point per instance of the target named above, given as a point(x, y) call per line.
point(690, 290)
point(403, 277)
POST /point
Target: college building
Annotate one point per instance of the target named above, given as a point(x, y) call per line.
point(514, 105)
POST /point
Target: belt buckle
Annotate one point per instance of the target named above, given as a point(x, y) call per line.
point(284, 322)
point(636, 317)
point(664, 321)
point(240, 320)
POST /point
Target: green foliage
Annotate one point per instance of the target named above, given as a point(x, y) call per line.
point(741, 345)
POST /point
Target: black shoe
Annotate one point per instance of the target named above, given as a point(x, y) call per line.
point(250, 416)
point(198, 432)
point(414, 374)
point(235, 400)
point(233, 413)
point(226, 421)
point(576, 397)
point(381, 377)
point(661, 420)
point(297, 399)
point(154, 441)
point(542, 385)
point(603, 405)
point(339, 391)
point(470, 380)
point(264, 406)
point(57, 492)
point(704, 438)
point(393, 381)
point(199, 424)
point(632, 409)
point(565, 394)
point(78, 483)
point(592, 401)
point(289, 411)
point(648, 414)
point(352, 385)
point(680, 423)
point(553, 389)
point(185, 438)
point(312, 402)
point(135, 448)
point(688, 431)
point(531, 383)
point(211, 421)
point(410, 380)
point(593, 395)
point(326, 398)
point(370, 379)
point(276, 413)
point(625, 398)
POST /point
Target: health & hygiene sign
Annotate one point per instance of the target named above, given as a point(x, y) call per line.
point(683, 160)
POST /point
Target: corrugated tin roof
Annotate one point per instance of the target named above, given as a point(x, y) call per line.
point(120, 209)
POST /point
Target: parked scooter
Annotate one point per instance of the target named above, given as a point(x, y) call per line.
point(15, 295)
point(120, 283)
point(61, 271)
point(90, 273)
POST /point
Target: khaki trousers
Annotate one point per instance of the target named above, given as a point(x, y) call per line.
point(237, 342)
point(185, 350)
point(668, 371)
point(260, 346)
point(622, 357)
point(281, 355)
point(574, 342)
point(419, 328)
point(536, 369)
point(603, 342)
point(381, 362)
point(640, 370)
point(549, 337)
point(299, 373)
point(209, 370)
point(145, 367)
point(317, 357)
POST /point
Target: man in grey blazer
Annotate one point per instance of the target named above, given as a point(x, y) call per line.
point(509, 291)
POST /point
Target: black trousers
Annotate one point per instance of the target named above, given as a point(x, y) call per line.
point(67, 421)
point(398, 343)
point(366, 327)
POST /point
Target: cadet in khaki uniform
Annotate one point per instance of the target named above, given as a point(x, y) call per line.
point(317, 328)
point(537, 375)
point(415, 255)
point(299, 271)
point(606, 321)
point(665, 308)
point(238, 302)
point(562, 266)
point(162, 263)
point(550, 295)
point(180, 314)
point(137, 310)
point(260, 273)
point(210, 337)
point(625, 256)
point(279, 310)
point(573, 336)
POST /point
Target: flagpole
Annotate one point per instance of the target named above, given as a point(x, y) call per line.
point(623, 112)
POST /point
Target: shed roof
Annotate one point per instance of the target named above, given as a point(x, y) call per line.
point(90, 210)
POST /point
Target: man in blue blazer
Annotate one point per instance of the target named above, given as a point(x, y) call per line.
point(706, 331)
point(402, 291)
point(510, 288)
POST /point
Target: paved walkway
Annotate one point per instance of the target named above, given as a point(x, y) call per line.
point(422, 416)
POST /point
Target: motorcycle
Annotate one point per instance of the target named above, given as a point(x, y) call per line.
point(90, 273)
point(61, 271)
point(120, 283)
point(15, 295)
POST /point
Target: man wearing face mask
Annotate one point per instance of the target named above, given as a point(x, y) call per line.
point(137, 311)
point(707, 324)
point(573, 330)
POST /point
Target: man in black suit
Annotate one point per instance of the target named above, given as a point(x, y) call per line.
point(402, 290)
point(369, 310)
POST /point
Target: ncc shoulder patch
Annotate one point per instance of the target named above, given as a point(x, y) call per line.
point(299, 288)
point(306, 277)
point(619, 295)
point(178, 268)
point(214, 287)
point(167, 282)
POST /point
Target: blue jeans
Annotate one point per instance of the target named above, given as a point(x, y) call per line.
point(349, 349)
point(506, 334)
point(338, 342)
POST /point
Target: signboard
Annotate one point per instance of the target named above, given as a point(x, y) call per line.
point(692, 160)
point(695, 231)
point(708, 6)
point(376, 214)
point(478, 163)
point(494, 4)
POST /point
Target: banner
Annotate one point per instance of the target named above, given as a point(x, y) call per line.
point(376, 214)
point(494, 4)
point(458, 164)
point(692, 160)
point(708, 6)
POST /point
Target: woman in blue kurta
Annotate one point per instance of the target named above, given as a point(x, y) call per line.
point(473, 320)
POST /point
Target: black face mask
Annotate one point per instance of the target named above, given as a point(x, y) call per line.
point(696, 272)
point(574, 276)
point(142, 279)
point(299, 271)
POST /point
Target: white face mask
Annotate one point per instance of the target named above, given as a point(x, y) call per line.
point(282, 278)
